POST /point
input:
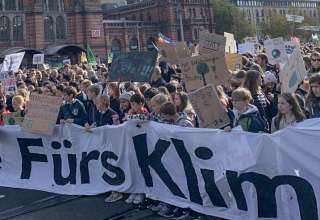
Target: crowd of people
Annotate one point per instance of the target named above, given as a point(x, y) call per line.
point(253, 101)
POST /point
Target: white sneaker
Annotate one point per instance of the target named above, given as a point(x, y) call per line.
point(130, 199)
point(113, 197)
point(138, 199)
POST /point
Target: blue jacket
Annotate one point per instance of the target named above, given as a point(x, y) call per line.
point(250, 120)
point(75, 111)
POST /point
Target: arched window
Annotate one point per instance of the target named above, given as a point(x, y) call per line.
point(134, 44)
point(10, 5)
point(60, 28)
point(151, 44)
point(4, 28)
point(48, 29)
point(116, 46)
point(17, 28)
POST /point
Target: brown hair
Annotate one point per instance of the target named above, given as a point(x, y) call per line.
point(241, 94)
point(251, 82)
point(115, 88)
point(296, 110)
point(314, 79)
point(184, 101)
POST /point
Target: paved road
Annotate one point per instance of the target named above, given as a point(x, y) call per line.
point(18, 204)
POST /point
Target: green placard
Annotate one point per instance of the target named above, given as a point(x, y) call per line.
point(133, 66)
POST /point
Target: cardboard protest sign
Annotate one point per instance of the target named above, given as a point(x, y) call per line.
point(251, 40)
point(172, 52)
point(293, 72)
point(12, 119)
point(247, 48)
point(276, 50)
point(210, 42)
point(8, 82)
point(133, 66)
point(206, 103)
point(42, 114)
point(231, 44)
point(290, 46)
point(38, 59)
point(205, 69)
point(12, 62)
point(183, 50)
point(233, 61)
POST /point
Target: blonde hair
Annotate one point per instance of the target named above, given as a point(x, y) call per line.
point(86, 83)
point(160, 99)
point(241, 94)
point(24, 93)
point(19, 99)
point(105, 99)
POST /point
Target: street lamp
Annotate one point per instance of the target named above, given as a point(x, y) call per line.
point(179, 13)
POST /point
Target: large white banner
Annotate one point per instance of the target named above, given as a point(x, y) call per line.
point(234, 175)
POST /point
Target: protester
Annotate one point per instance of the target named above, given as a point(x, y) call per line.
point(170, 115)
point(315, 63)
point(289, 112)
point(92, 92)
point(253, 82)
point(114, 94)
point(72, 111)
point(313, 98)
point(125, 105)
point(18, 103)
point(245, 114)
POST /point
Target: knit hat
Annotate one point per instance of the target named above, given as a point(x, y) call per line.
point(126, 96)
point(269, 77)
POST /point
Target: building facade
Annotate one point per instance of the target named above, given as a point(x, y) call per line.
point(51, 26)
point(65, 27)
point(258, 11)
point(135, 26)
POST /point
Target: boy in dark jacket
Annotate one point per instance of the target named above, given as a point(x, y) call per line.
point(72, 111)
point(244, 114)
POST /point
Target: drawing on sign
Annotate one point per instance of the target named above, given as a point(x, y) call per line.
point(276, 53)
point(203, 69)
point(293, 72)
point(276, 50)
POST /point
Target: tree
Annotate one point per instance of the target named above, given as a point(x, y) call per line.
point(229, 18)
point(276, 25)
point(203, 69)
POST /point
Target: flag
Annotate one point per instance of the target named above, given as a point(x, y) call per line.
point(315, 37)
point(163, 39)
point(110, 57)
point(91, 59)
point(83, 58)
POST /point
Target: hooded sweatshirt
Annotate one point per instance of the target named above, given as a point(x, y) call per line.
point(250, 120)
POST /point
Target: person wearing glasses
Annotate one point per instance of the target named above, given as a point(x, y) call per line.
point(313, 97)
point(315, 63)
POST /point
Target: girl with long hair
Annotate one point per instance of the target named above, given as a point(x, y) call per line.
point(289, 112)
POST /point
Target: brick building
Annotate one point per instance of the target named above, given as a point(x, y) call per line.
point(135, 26)
point(55, 27)
point(62, 28)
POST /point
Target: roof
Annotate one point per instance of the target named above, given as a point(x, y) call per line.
point(12, 50)
point(64, 49)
